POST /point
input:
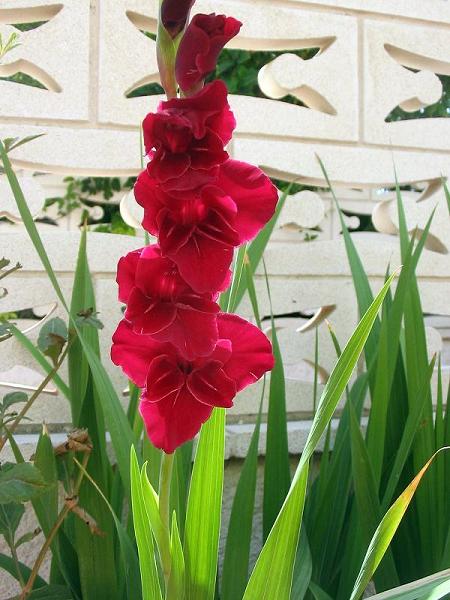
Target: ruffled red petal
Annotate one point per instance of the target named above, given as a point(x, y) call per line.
point(174, 420)
point(253, 193)
point(251, 353)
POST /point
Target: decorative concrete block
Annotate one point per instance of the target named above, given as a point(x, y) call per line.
point(391, 51)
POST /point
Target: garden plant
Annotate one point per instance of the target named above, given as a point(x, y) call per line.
point(142, 520)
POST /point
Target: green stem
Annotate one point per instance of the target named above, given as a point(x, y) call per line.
point(165, 479)
point(16, 563)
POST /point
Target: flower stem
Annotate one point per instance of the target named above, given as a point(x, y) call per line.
point(165, 479)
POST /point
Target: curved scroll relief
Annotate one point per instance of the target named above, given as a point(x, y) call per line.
point(144, 24)
point(384, 222)
point(28, 68)
point(54, 53)
point(304, 210)
point(19, 59)
point(289, 74)
point(30, 14)
point(421, 88)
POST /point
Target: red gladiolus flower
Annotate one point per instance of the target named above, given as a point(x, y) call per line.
point(174, 14)
point(162, 305)
point(179, 395)
point(200, 47)
point(185, 138)
point(199, 229)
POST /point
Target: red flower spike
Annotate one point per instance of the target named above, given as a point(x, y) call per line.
point(200, 47)
point(185, 138)
point(160, 304)
point(179, 395)
point(198, 229)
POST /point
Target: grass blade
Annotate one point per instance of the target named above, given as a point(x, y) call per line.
point(272, 576)
point(409, 432)
point(360, 280)
point(415, 589)
point(237, 548)
point(277, 477)
point(201, 541)
point(367, 503)
point(386, 531)
point(302, 569)
point(149, 573)
point(127, 550)
point(175, 586)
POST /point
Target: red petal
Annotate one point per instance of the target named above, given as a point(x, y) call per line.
point(149, 316)
point(211, 385)
point(251, 350)
point(191, 179)
point(204, 263)
point(172, 235)
point(174, 420)
point(168, 166)
point(164, 378)
point(208, 152)
point(158, 276)
point(205, 109)
point(149, 197)
point(126, 272)
point(134, 353)
point(194, 333)
point(254, 194)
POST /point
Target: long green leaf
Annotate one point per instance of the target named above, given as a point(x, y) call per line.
point(237, 548)
point(151, 504)
point(149, 574)
point(180, 482)
point(409, 432)
point(204, 508)
point(277, 477)
point(175, 586)
point(360, 280)
point(272, 576)
point(415, 589)
point(327, 530)
point(416, 361)
point(367, 503)
point(318, 593)
point(388, 348)
point(127, 549)
point(7, 564)
point(302, 569)
point(386, 531)
point(83, 299)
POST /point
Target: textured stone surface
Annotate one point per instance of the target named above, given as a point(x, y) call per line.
point(359, 74)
